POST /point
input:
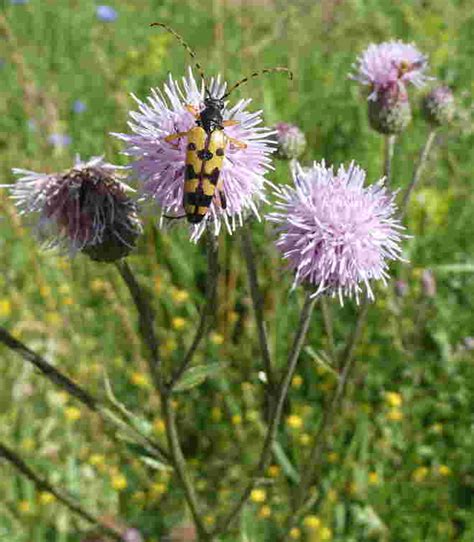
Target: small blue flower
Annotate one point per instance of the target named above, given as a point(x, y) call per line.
point(79, 107)
point(18, 2)
point(106, 14)
point(59, 140)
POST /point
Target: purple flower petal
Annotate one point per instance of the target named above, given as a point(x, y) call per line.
point(160, 165)
point(336, 234)
point(391, 63)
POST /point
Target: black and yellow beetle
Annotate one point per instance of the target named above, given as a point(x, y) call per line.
point(206, 145)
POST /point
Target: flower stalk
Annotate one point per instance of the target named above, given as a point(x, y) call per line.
point(420, 166)
point(275, 419)
point(42, 484)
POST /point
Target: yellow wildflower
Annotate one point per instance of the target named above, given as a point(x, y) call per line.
point(97, 460)
point(216, 414)
point(295, 534)
point(72, 413)
point(179, 296)
point(304, 439)
point(265, 512)
point(97, 285)
point(395, 415)
point(373, 478)
point(216, 338)
point(53, 318)
point(5, 308)
point(444, 470)
point(333, 457)
point(139, 379)
point(68, 301)
point(45, 497)
point(325, 534)
point(159, 426)
point(332, 495)
point(24, 507)
point(419, 474)
point(158, 489)
point(28, 444)
point(178, 323)
point(236, 419)
point(119, 482)
point(312, 523)
point(45, 290)
point(209, 520)
point(258, 495)
point(297, 381)
point(393, 399)
point(294, 422)
point(139, 496)
point(273, 471)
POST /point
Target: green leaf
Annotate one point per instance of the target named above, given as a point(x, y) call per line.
point(196, 375)
point(285, 463)
point(142, 453)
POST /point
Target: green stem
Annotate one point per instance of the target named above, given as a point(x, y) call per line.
point(257, 301)
point(277, 413)
point(61, 495)
point(422, 160)
point(207, 310)
point(388, 158)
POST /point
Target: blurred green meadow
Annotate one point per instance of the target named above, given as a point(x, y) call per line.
point(400, 462)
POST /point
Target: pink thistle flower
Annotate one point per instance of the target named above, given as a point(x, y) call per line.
point(390, 64)
point(160, 165)
point(336, 234)
point(85, 208)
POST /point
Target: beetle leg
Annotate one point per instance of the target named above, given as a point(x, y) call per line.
point(237, 143)
point(193, 110)
point(221, 194)
point(172, 137)
point(230, 123)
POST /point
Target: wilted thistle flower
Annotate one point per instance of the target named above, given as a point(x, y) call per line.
point(336, 234)
point(160, 165)
point(85, 209)
point(386, 69)
point(291, 141)
point(438, 106)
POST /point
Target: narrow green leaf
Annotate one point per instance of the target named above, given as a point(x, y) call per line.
point(196, 375)
point(285, 463)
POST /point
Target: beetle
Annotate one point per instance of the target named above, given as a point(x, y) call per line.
point(206, 145)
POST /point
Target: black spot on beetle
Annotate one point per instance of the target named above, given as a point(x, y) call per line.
point(191, 146)
point(220, 152)
point(205, 154)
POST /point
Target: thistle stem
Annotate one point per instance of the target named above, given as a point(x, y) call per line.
point(422, 160)
point(180, 467)
point(257, 301)
point(42, 484)
point(276, 416)
point(388, 158)
point(147, 332)
point(313, 465)
point(328, 327)
point(65, 383)
point(146, 319)
point(48, 370)
point(206, 311)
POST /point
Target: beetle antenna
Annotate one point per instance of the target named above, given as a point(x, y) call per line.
point(256, 74)
point(192, 54)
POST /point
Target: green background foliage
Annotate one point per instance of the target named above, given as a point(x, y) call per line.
point(399, 466)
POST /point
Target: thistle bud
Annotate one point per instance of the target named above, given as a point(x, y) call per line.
point(291, 141)
point(389, 110)
point(438, 106)
point(401, 288)
point(83, 209)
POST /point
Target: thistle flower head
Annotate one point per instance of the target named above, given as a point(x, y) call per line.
point(85, 208)
point(160, 165)
point(390, 112)
point(389, 64)
point(439, 106)
point(336, 234)
point(291, 141)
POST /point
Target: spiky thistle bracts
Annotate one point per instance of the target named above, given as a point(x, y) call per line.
point(336, 234)
point(159, 166)
point(83, 209)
